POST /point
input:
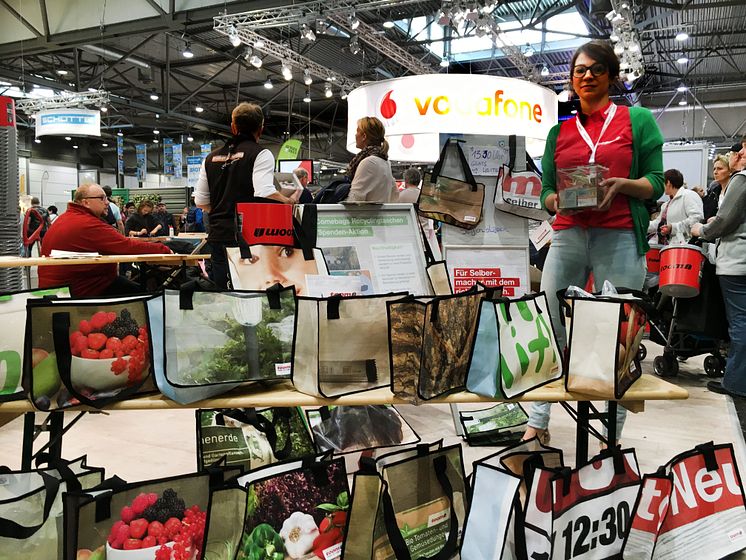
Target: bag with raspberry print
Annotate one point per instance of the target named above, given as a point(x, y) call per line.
point(13, 312)
point(31, 506)
point(163, 519)
point(101, 346)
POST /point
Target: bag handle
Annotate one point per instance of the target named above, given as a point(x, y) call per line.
point(263, 424)
point(708, 454)
point(61, 338)
point(63, 468)
point(9, 529)
point(468, 176)
point(401, 551)
point(512, 151)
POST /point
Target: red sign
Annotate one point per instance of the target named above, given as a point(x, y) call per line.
point(465, 278)
point(7, 112)
point(266, 224)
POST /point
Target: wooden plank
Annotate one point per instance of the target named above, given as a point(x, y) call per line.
point(647, 387)
point(11, 262)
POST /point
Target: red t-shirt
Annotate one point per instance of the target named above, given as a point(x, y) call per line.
point(614, 151)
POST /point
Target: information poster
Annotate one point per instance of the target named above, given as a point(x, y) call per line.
point(382, 247)
point(490, 266)
point(141, 151)
point(120, 155)
point(168, 156)
point(177, 161)
point(205, 150)
point(194, 164)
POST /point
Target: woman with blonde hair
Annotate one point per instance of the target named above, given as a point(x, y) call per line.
point(721, 173)
point(370, 170)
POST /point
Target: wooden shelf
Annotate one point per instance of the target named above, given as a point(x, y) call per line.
point(157, 258)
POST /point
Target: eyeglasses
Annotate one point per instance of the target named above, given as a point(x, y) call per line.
point(96, 197)
point(596, 69)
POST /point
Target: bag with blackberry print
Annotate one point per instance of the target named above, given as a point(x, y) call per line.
point(252, 438)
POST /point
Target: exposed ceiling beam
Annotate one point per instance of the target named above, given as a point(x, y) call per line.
point(157, 7)
point(20, 18)
point(44, 17)
point(205, 84)
point(109, 65)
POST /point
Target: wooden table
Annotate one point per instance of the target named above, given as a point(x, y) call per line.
point(153, 259)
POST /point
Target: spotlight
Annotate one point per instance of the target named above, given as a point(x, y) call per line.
point(120, 134)
point(618, 48)
point(233, 36)
point(322, 25)
point(444, 62)
point(307, 98)
point(681, 36)
point(259, 43)
point(354, 22)
point(307, 77)
point(190, 138)
point(104, 145)
point(103, 108)
point(388, 24)
point(199, 108)
point(255, 61)
point(354, 44)
point(156, 131)
point(634, 47)
point(187, 52)
point(307, 33)
point(38, 140)
point(155, 140)
point(287, 72)
point(68, 138)
point(529, 52)
point(268, 84)
point(328, 90)
point(75, 146)
point(544, 71)
point(154, 96)
point(344, 95)
point(682, 59)
point(62, 72)
point(682, 88)
point(682, 102)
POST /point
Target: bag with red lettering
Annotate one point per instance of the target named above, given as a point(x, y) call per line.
point(692, 508)
point(518, 190)
point(446, 199)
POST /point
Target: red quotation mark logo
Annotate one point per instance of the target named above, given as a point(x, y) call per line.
point(388, 106)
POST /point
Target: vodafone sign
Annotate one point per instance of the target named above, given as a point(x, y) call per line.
point(416, 109)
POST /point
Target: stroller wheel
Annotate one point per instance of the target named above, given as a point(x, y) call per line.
point(713, 366)
point(642, 352)
point(665, 366)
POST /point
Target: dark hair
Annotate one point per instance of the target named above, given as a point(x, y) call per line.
point(52, 209)
point(675, 177)
point(248, 117)
point(129, 205)
point(412, 176)
point(600, 51)
point(107, 190)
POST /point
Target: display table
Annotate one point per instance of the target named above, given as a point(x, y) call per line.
point(647, 388)
point(152, 259)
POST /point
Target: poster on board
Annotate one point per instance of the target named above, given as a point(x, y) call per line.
point(491, 266)
point(382, 246)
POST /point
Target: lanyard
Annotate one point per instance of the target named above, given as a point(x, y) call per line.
point(587, 138)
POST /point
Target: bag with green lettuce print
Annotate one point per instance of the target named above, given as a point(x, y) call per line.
point(13, 312)
point(102, 350)
point(501, 424)
point(31, 506)
point(294, 510)
point(219, 340)
point(252, 438)
point(408, 505)
point(515, 348)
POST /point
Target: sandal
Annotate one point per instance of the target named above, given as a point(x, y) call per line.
point(542, 435)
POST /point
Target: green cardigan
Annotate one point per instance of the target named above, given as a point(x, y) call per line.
point(647, 161)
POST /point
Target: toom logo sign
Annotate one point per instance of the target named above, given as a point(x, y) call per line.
point(415, 108)
point(72, 122)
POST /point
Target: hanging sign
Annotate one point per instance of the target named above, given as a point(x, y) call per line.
point(289, 150)
point(168, 156)
point(194, 164)
point(70, 122)
point(177, 161)
point(205, 150)
point(120, 155)
point(141, 151)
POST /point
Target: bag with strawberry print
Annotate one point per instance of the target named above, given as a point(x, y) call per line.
point(102, 350)
point(603, 341)
point(161, 519)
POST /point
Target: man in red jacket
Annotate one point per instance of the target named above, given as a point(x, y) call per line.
point(81, 229)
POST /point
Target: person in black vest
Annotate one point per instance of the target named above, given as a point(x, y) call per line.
point(240, 171)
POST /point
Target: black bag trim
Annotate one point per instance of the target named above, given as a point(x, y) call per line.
point(12, 530)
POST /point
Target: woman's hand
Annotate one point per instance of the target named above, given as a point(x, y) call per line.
point(551, 202)
point(665, 230)
point(696, 230)
point(611, 187)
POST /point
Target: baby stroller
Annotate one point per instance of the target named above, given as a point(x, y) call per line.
point(688, 327)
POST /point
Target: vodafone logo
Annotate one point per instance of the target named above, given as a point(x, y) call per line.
point(388, 105)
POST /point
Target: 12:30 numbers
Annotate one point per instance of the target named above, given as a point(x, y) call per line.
point(613, 523)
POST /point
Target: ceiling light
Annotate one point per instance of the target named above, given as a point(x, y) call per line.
point(328, 90)
point(307, 98)
point(103, 108)
point(388, 24)
point(198, 108)
point(38, 140)
point(618, 49)
point(68, 138)
point(75, 146)
point(259, 43)
point(157, 116)
point(681, 36)
point(255, 61)
point(354, 22)
point(104, 145)
point(682, 88)
point(444, 63)
point(287, 72)
point(62, 72)
point(634, 47)
point(682, 59)
point(544, 71)
point(354, 44)
point(268, 84)
point(529, 52)
point(344, 95)
point(156, 131)
point(307, 77)
point(92, 89)
point(155, 140)
point(682, 102)
point(154, 96)
point(613, 37)
point(233, 36)
point(120, 134)
point(190, 138)
point(187, 52)
point(307, 33)
point(574, 112)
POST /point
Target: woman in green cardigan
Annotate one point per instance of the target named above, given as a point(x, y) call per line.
point(609, 241)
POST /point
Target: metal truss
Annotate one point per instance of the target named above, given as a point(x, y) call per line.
point(369, 35)
point(64, 100)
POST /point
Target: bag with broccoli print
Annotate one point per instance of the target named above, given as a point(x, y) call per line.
point(515, 348)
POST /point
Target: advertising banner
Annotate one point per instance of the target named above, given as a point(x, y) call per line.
point(177, 161)
point(141, 151)
point(120, 155)
point(71, 122)
point(194, 164)
point(168, 156)
point(491, 266)
point(205, 150)
point(289, 150)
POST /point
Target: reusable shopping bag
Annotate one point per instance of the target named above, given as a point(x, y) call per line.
point(501, 424)
point(692, 508)
point(224, 339)
point(341, 344)
point(437, 272)
point(515, 349)
point(115, 518)
point(518, 189)
point(346, 429)
point(431, 341)
point(31, 507)
point(13, 312)
point(101, 346)
point(446, 199)
point(251, 438)
point(604, 337)
point(294, 510)
point(266, 223)
point(408, 504)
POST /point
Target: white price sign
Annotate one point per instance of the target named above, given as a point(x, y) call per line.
point(487, 160)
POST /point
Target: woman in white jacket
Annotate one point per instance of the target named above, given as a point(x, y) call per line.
point(679, 214)
point(370, 169)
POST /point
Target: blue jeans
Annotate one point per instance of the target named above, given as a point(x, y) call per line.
point(734, 295)
point(612, 255)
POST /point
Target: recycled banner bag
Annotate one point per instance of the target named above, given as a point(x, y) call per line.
point(518, 189)
point(224, 339)
point(13, 312)
point(265, 224)
point(346, 429)
point(297, 510)
point(413, 506)
point(604, 337)
point(454, 201)
point(341, 344)
point(501, 424)
point(515, 348)
point(431, 341)
point(31, 507)
point(591, 506)
point(101, 346)
point(115, 518)
point(437, 271)
point(692, 508)
point(251, 438)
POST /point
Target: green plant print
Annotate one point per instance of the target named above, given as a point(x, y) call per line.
point(524, 342)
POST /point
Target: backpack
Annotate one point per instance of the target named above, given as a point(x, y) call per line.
point(194, 220)
point(36, 216)
point(334, 193)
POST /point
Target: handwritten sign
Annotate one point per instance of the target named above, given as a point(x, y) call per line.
point(487, 160)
